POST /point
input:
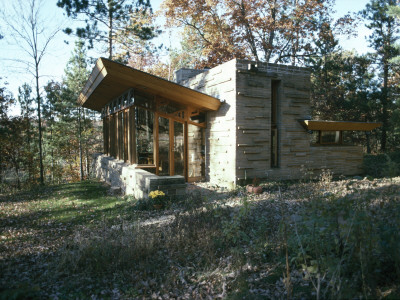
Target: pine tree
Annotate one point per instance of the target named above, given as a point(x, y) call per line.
point(385, 29)
point(6, 100)
point(26, 102)
point(76, 75)
point(103, 19)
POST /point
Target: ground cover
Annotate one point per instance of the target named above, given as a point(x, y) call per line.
point(321, 239)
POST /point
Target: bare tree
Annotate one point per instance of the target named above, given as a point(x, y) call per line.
point(28, 31)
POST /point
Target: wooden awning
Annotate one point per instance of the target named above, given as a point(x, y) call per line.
point(110, 79)
point(339, 125)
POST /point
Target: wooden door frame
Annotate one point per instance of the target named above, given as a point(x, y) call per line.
point(171, 147)
point(172, 144)
point(171, 157)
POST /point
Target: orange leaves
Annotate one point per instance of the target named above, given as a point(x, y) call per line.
point(255, 29)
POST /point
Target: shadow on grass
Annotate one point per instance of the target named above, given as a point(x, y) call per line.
point(77, 203)
point(84, 190)
point(205, 241)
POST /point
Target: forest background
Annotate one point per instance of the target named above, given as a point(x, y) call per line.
point(46, 138)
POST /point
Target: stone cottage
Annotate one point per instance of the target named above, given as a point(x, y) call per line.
point(225, 125)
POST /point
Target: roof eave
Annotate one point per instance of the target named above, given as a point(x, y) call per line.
point(339, 125)
point(113, 79)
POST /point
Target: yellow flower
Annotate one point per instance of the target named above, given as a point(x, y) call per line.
point(156, 193)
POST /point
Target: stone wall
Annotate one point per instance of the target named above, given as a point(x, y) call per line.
point(341, 160)
point(254, 120)
point(134, 181)
point(219, 82)
point(239, 133)
point(184, 74)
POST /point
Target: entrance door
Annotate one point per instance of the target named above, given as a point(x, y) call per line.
point(178, 149)
point(163, 146)
point(171, 147)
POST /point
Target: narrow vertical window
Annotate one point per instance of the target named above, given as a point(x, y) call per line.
point(163, 146)
point(121, 135)
point(113, 135)
point(126, 134)
point(132, 136)
point(274, 125)
point(179, 153)
point(144, 120)
point(105, 135)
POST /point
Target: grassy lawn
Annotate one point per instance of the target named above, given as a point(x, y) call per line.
point(325, 239)
point(36, 224)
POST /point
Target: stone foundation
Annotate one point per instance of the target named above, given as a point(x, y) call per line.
point(134, 181)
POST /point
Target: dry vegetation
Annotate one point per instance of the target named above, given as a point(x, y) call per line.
point(325, 239)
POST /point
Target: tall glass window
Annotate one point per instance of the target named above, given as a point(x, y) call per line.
point(179, 149)
point(121, 135)
point(176, 137)
point(163, 146)
point(144, 121)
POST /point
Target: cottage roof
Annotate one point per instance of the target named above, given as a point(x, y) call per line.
point(110, 79)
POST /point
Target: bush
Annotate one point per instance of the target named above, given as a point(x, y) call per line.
point(381, 165)
point(395, 157)
point(347, 247)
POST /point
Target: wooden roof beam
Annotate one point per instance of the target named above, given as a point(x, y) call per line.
point(110, 79)
point(339, 125)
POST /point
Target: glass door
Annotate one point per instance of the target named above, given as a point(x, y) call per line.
point(163, 146)
point(179, 149)
point(171, 147)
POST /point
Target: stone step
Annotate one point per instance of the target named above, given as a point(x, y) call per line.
point(170, 187)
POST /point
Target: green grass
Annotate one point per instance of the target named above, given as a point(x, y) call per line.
point(75, 241)
point(36, 223)
point(72, 204)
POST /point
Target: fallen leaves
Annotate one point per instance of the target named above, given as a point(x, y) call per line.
point(34, 227)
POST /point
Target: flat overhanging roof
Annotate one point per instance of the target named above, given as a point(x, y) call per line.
point(339, 125)
point(110, 79)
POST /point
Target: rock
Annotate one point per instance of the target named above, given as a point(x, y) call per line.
point(115, 191)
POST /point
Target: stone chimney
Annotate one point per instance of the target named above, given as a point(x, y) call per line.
point(183, 74)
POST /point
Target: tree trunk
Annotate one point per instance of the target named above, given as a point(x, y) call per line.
point(16, 168)
point(249, 33)
point(39, 124)
point(385, 114)
point(86, 143)
point(368, 137)
point(110, 29)
point(295, 42)
point(87, 163)
point(28, 142)
point(52, 154)
point(80, 144)
point(18, 180)
point(268, 48)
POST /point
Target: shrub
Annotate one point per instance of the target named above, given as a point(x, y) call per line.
point(143, 204)
point(380, 165)
point(347, 246)
point(395, 157)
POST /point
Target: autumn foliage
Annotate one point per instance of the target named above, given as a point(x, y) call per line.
point(279, 30)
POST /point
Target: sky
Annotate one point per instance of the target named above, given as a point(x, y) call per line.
point(58, 54)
